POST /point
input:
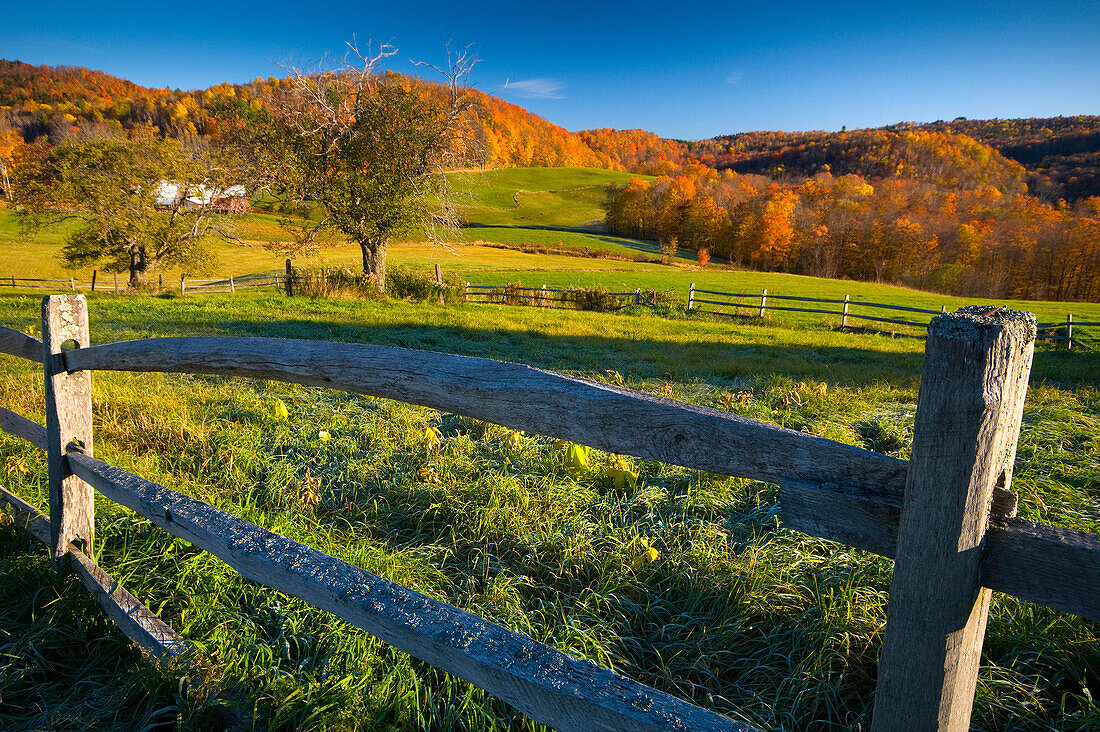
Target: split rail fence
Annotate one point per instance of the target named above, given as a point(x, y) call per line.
point(549, 297)
point(185, 284)
point(947, 517)
point(748, 304)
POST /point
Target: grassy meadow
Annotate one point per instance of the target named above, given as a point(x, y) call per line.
point(487, 265)
point(734, 613)
point(548, 209)
point(556, 207)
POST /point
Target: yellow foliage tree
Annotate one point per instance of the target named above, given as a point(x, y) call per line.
point(12, 147)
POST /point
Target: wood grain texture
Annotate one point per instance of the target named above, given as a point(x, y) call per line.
point(830, 512)
point(136, 621)
point(976, 367)
point(520, 397)
point(1040, 563)
point(27, 517)
point(16, 424)
point(545, 684)
point(19, 344)
point(1044, 564)
point(68, 418)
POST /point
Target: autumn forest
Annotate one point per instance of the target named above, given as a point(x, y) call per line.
point(996, 208)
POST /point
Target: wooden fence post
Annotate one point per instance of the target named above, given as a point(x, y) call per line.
point(289, 279)
point(691, 297)
point(72, 284)
point(763, 302)
point(160, 283)
point(466, 294)
point(976, 366)
point(844, 319)
point(94, 273)
point(232, 287)
point(542, 297)
point(439, 282)
point(68, 418)
point(116, 283)
point(183, 284)
point(1069, 331)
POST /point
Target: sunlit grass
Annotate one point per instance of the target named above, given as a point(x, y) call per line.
point(735, 613)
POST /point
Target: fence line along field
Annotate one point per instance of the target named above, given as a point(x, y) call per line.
point(626, 574)
point(744, 304)
point(484, 266)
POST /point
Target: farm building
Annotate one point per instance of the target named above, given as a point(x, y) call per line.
point(232, 199)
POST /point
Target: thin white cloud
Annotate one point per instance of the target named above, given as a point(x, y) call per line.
point(536, 88)
point(734, 78)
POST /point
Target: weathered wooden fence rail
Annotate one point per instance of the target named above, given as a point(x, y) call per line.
point(747, 304)
point(230, 283)
point(948, 516)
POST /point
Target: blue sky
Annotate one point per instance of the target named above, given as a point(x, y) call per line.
point(681, 69)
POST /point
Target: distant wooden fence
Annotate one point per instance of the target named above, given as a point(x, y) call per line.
point(947, 517)
point(184, 285)
point(549, 297)
point(745, 304)
point(735, 304)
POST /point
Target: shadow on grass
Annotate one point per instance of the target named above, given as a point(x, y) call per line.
point(627, 343)
point(711, 359)
point(44, 684)
point(714, 361)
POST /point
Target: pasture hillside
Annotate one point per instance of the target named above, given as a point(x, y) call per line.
point(558, 208)
point(729, 610)
point(491, 265)
point(563, 197)
point(523, 225)
point(552, 208)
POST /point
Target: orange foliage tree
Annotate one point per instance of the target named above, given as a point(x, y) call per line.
point(12, 147)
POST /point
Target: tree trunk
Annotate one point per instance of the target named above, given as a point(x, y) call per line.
point(138, 267)
point(374, 261)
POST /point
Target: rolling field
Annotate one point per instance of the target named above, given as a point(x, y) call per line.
point(549, 207)
point(565, 197)
point(734, 612)
point(485, 265)
point(557, 207)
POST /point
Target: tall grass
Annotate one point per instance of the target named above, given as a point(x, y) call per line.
point(734, 612)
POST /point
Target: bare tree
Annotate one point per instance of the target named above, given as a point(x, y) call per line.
point(372, 148)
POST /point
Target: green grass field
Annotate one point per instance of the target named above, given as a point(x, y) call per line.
point(486, 265)
point(736, 613)
point(557, 207)
point(551, 207)
point(565, 197)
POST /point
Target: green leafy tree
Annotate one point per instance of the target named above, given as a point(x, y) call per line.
point(111, 187)
point(372, 149)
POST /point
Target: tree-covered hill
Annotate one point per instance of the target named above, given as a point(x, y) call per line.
point(1062, 150)
point(1055, 157)
point(49, 101)
point(1060, 156)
